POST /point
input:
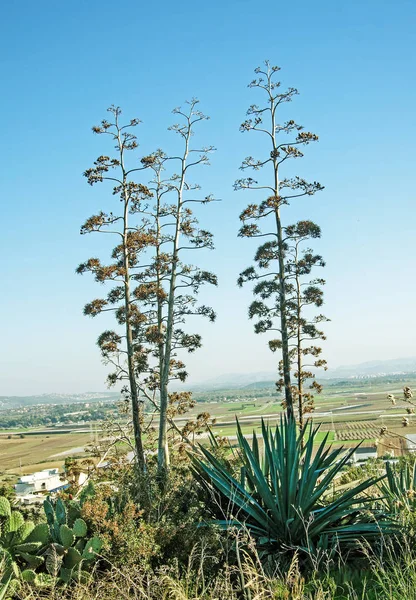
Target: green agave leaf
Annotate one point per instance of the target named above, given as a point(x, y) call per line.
point(282, 487)
point(231, 489)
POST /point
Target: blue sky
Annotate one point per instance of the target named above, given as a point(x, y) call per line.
point(62, 64)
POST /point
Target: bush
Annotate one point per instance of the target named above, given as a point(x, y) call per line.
point(150, 522)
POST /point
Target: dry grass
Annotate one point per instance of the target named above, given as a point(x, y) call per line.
point(35, 452)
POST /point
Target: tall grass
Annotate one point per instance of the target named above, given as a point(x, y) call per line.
point(391, 576)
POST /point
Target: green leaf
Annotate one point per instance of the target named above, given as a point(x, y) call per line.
point(28, 575)
point(65, 575)
point(283, 482)
point(92, 547)
point(60, 512)
point(82, 576)
point(72, 559)
point(49, 512)
point(40, 533)
point(66, 535)
point(30, 547)
point(80, 545)
point(44, 580)
point(53, 562)
point(4, 587)
point(33, 561)
point(5, 510)
point(15, 521)
point(23, 532)
point(80, 528)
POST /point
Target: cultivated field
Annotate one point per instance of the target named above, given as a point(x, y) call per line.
point(350, 412)
point(35, 452)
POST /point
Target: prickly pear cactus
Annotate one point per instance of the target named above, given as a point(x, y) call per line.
point(16, 550)
point(5, 509)
point(60, 546)
point(14, 536)
point(69, 552)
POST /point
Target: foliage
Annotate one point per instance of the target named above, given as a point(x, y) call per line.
point(115, 518)
point(69, 553)
point(399, 489)
point(376, 578)
point(4, 587)
point(281, 495)
point(143, 522)
point(7, 491)
point(371, 468)
point(17, 544)
point(59, 547)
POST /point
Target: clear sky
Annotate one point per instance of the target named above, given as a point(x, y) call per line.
point(63, 63)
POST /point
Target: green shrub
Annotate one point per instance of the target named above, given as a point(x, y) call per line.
point(149, 522)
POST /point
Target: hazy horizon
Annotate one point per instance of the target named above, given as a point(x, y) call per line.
point(61, 71)
point(252, 376)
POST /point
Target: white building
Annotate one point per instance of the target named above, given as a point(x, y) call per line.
point(364, 453)
point(411, 442)
point(47, 480)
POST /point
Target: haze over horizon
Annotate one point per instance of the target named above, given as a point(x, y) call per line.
point(353, 76)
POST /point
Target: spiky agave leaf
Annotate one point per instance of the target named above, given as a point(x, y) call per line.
point(399, 488)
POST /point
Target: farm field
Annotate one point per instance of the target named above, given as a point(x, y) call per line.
point(20, 456)
point(350, 413)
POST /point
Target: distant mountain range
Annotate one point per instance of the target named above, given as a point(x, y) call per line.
point(261, 379)
point(375, 368)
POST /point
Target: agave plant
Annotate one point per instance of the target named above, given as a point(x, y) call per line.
point(282, 496)
point(399, 489)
